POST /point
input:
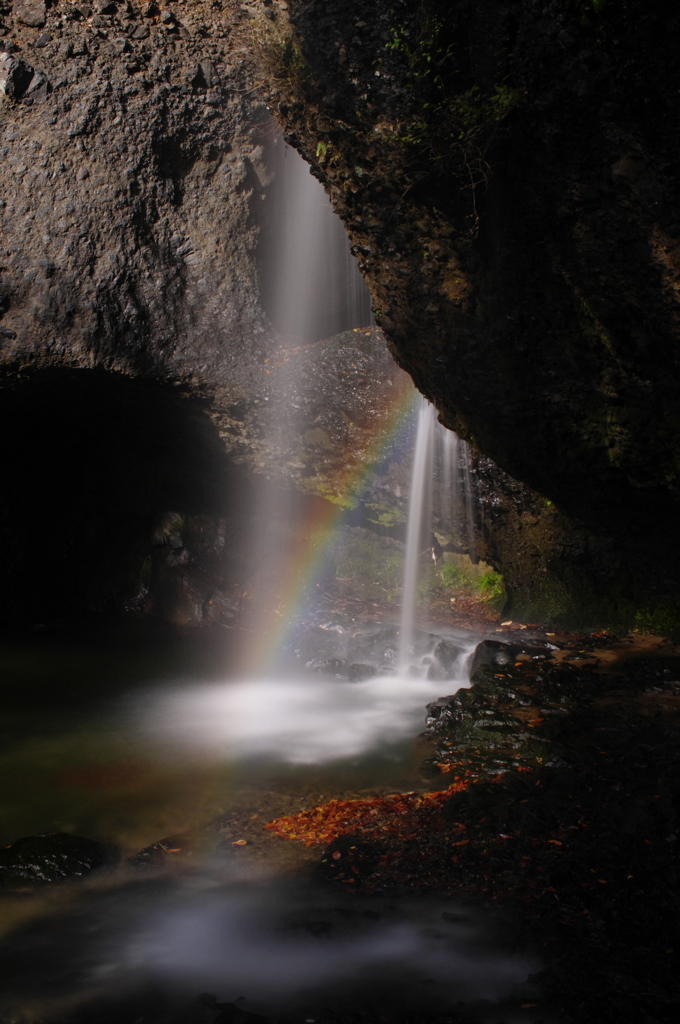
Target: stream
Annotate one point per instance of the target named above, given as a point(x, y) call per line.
point(230, 910)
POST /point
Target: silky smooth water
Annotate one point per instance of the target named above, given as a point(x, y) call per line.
point(224, 922)
point(418, 530)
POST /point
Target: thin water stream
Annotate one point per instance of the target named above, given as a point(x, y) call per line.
point(418, 525)
point(128, 752)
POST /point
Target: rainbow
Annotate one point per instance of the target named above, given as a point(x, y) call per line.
point(305, 564)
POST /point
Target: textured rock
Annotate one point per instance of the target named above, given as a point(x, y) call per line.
point(15, 76)
point(135, 169)
point(90, 275)
point(516, 213)
point(30, 12)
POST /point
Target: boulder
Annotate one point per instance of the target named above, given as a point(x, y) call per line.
point(443, 661)
point(31, 12)
point(357, 673)
point(444, 712)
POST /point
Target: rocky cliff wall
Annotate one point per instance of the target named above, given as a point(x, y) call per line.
point(138, 364)
point(131, 169)
point(507, 174)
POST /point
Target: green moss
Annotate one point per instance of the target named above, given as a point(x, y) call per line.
point(576, 602)
point(661, 619)
point(459, 578)
point(387, 515)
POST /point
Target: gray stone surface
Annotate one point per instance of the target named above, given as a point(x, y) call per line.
point(128, 217)
point(30, 12)
point(15, 76)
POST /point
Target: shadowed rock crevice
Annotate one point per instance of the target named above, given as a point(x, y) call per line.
point(117, 495)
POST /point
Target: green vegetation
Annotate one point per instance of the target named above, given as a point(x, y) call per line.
point(491, 588)
point(662, 620)
point(387, 515)
point(459, 580)
point(368, 567)
point(288, 63)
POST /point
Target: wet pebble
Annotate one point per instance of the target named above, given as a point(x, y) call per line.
point(49, 857)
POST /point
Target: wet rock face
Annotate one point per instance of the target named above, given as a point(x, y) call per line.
point(517, 221)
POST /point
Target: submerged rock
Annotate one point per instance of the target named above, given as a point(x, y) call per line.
point(357, 673)
point(49, 857)
point(443, 661)
point(380, 649)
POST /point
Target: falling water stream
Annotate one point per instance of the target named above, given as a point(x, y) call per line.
point(163, 751)
point(418, 518)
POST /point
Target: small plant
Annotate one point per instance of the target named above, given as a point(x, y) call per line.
point(490, 585)
point(461, 579)
point(280, 57)
point(452, 575)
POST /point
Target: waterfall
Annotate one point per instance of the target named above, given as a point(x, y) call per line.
point(469, 497)
point(457, 497)
point(418, 521)
point(450, 476)
point(311, 284)
point(441, 460)
point(312, 291)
